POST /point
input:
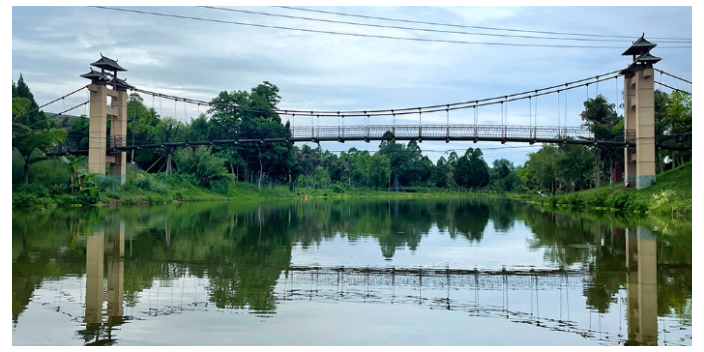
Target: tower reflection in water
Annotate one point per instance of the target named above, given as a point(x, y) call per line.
point(642, 294)
point(99, 323)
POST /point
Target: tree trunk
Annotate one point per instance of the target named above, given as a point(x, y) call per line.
point(259, 181)
point(26, 171)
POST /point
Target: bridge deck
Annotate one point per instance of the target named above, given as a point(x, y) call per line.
point(447, 133)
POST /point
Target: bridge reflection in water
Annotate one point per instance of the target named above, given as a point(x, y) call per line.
point(473, 291)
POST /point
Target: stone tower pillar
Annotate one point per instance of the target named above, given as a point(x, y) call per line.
point(100, 150)
point(639, 110)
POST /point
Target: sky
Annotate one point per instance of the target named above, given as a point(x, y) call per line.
point(52, 46)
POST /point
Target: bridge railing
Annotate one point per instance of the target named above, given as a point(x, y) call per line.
point(440, 131)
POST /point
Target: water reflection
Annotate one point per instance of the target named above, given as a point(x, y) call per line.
point(235, 259)
point(99, 331)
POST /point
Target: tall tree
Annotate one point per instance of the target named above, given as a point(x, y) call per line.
point(605, 124)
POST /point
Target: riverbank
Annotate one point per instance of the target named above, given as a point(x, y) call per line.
point(671, 195)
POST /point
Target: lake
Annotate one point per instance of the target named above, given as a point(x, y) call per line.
point(326, 272)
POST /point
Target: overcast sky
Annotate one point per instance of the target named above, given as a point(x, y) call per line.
point(52, 46)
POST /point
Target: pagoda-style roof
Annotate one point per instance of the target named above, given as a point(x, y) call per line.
point(639, 46)
point(107, 63)
point(95, 76)
point(122, 83)
point(647, 58)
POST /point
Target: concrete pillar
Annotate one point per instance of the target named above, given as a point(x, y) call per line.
point(118, 132)
point(95, 250)
point(97, 129)
point(629, 123)
point(645, 128)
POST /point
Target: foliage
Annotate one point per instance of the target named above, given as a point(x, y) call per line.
point(201, 163)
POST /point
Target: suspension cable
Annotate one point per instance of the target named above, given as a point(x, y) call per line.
point(49, 103)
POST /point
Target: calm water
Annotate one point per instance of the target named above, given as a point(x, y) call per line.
point(454, 272)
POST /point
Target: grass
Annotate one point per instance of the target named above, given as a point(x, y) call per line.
point(670, 195)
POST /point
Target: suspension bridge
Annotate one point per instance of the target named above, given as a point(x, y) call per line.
point(638, 138)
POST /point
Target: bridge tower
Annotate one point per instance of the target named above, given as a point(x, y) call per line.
point(100, 151)
point(639, 110)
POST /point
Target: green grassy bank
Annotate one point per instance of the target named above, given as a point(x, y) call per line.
point(670, 195)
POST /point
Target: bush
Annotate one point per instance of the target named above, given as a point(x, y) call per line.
point(66, 199)
point(575, 200)
point(551, 201)
point(32, 188)
point(338, 189)
point(23, 200)
point(49, 173)
point(620, 200)
point(563, 201)
point(27, 200)
point(107, 182)
point(597, 200)
point(17, 167)
point(149, 182)
point(639, 206)
point(221, 186)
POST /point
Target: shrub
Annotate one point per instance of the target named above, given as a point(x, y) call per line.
point(338, 189)
point(639, 206)
point(17, 167)
point(575, 200)
point(149, 182)
point(23, 200)
point(33, 188)
point(221, 186)
point(564, 200)
point(551, 201)
point(107, 182)
point(66, 199)
point(597, 200)
point(620, 200)
point(49, 173)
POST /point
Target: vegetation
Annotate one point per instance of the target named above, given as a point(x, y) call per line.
point(670, 195)
point(233, 170)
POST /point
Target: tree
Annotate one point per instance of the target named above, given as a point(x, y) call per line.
point(170, 129)
point(32, 115)
point(139, 120)
point(480, 172)
point(32, 146)
point(679, 114)
point(201, 163)
point(19, 107)
point(605, 124)
point(241, 114)
point(321, 177)
point(73, 167)
point(378, 170)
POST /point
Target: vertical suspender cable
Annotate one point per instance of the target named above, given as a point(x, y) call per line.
point(558, 112)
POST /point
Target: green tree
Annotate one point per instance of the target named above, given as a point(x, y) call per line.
point(679, 114)
point(33, 145)
point(19, 107)
point(322, 177)
point(201, 163)
point(139, 121)
point(32, 116)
